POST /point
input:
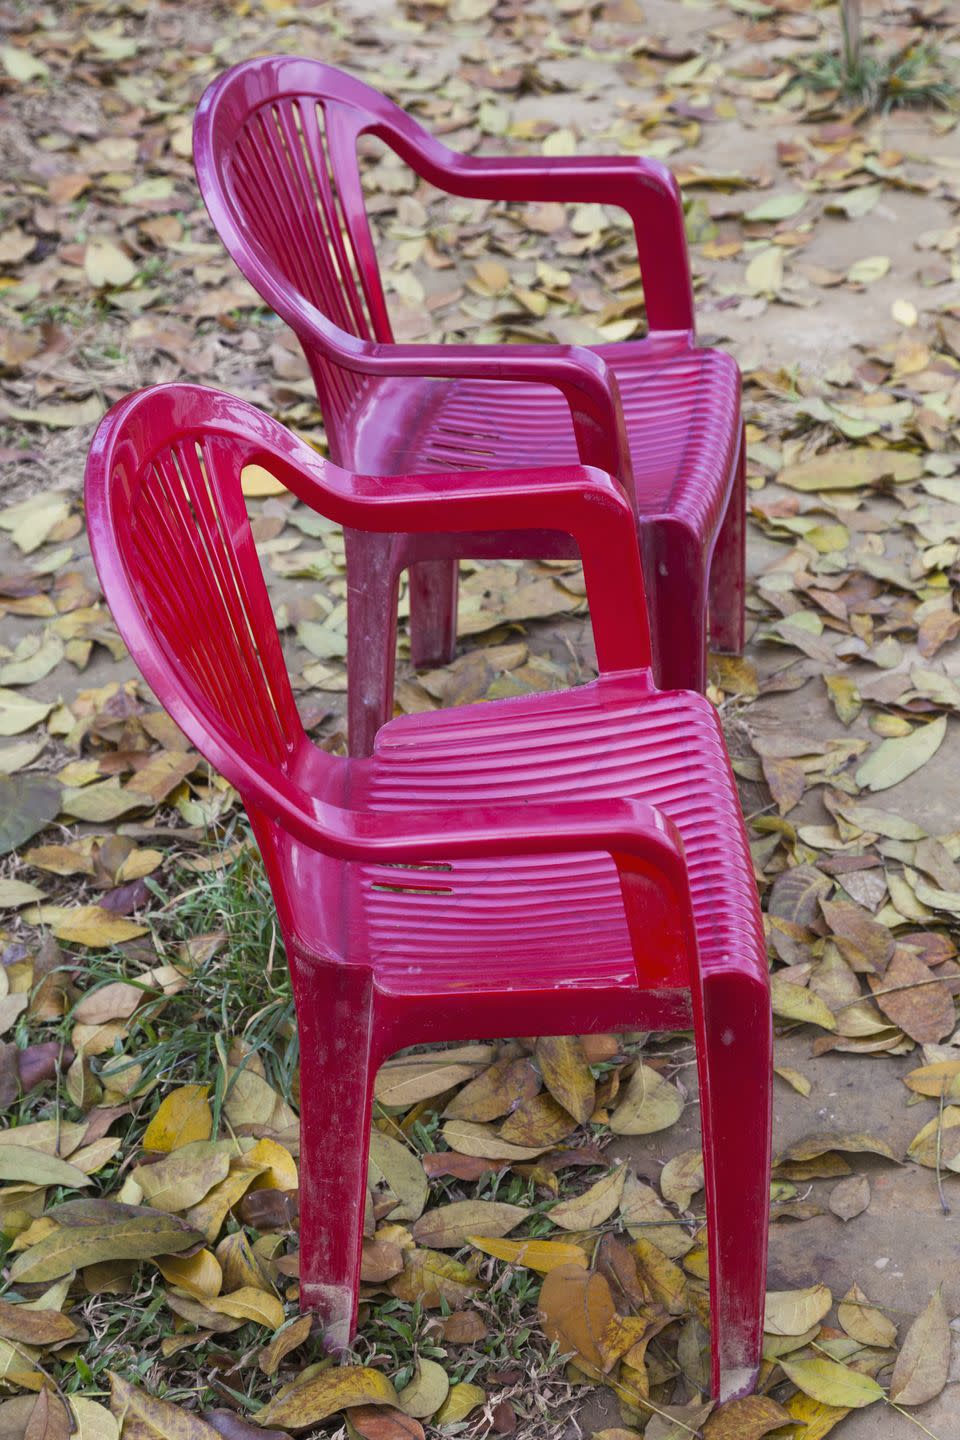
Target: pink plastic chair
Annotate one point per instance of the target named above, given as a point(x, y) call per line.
point(275, 145)
point(440, 889)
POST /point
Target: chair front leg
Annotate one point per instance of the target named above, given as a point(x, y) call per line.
point(674, 567)
point(735, 1059)
point(433, 612)
point(372, 575)
point(728, 567)
point(338, 1063)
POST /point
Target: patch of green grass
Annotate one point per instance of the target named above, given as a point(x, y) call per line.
point(916, 75)
point(239, 988)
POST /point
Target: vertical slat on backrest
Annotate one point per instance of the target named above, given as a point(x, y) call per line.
point(223, 560)
point(295, 176)
point(272, 202)
point(312, 145)
point(192, 607)
point(342, 129)
point(250, 576)
point(201, 580)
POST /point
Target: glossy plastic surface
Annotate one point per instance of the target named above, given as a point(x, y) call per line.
point(275, 144)
point(555, 864)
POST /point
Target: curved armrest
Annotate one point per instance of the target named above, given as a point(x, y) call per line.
point(585, 380)
point(584, 503)
point(643, 187)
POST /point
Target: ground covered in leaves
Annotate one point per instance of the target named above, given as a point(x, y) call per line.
point(535, 1252)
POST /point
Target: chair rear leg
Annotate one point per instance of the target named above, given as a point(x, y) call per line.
point(433, 611)
point(673, 563)
point(728, 567)
point(735, 1053)
point(372, 574)
point(337, 1069)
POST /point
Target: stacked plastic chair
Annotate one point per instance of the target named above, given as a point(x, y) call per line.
point(275, 145)
point(560, 863)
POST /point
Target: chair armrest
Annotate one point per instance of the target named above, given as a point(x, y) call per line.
point(643, 187)
point(585, 380)
point(643, 843)
point(582, 502)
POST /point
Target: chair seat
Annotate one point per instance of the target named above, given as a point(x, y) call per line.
point(560, 918)
point(681, 407)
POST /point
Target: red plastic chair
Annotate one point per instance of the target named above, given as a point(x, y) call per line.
point(275, 145)
point(440, 889)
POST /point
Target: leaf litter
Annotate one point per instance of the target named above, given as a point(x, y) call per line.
point(149, 1159)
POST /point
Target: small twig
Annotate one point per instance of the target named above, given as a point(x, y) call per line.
point(943, 1199)
point(906, 1414)
point(889, 990)
point(633, 1398)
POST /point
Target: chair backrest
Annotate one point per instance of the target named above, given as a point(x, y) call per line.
point(275, 149)
point(172, 543)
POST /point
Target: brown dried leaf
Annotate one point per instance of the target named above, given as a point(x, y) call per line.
point(920, 1004)
point(566, 1074)
point(923, 1364)
point(574, 1310)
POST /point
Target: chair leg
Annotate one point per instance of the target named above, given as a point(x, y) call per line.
point(728, 567)
point(433, 612)
point(338, 1062)
point(735, 1051)
point(371, 635)
point(673, 563)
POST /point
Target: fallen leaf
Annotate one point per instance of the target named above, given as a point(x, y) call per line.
point(256, 482)
point(478, 1140)
point(850, 1197)
point(67, 1248)
point(791, 1312)
point(448, 1226)
point(539, 1121)
point(648, 1104)
point(541, 1255)
point(19, 1163)
point(249, 1303)
point(919, 1003)
point(143, 1417)
point(681, 1178)
point(831, 1383)
point(183, 1178)
point(574, 1310)
point(923, 1364)
point(290, 1338)
point(182, 1117)
point(846, 469)
point(893, 760)
point(399, 1167)
point(27, 803)
point(426, 1392)
point(106, 264)
point(67, 416)
point(373, 1422)
point(566, 1074)
point(795, 1002)
point(592, 1207)
point(495, 1092)
point(34, 1327)
point(746, 1419)
point(864, 1322)
point(817, 1418)
point(303, 1403)
point(462, 1400)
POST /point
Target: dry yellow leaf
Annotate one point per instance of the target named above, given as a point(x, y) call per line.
point(182, 1117)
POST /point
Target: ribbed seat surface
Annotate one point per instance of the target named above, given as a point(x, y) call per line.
point(681, 407)
point(482, 922)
